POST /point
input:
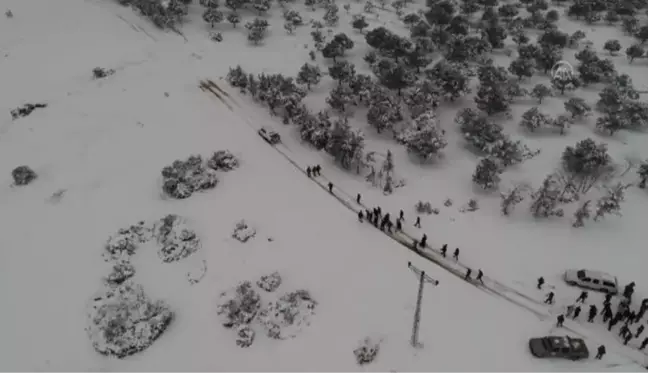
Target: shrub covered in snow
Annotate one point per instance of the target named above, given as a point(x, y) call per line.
point(25, 110)
point(243, 232)
point(223, 160)
point(270, 282)
point(244, 336)
point(124, 243)
point(487, 173)
point(423, 207)
point(238, 306)
point(100, 72)
point(124, 321)
point(284, 318)
point(367, 351)
point(176, 239)
point(23, 175)
point(163, 13)
point(586, 158)
point(182, 178)
point(120, 272)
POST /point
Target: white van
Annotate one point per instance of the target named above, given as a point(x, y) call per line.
point(594, 280)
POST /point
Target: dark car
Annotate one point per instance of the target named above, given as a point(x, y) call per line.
point(270, 136)
point(559, 347)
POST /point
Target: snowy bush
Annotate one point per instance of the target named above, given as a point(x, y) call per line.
point(124, 321)
point(367, 351)
point(423, 207)
point(123, 244)
point(238, 306)
point(471, 206)
point(533, 119)
point(487, 173)
point(610, 203)
point(176, 239)
point(244, 336)
point(100, 72)
point(23, 175)
point(424, 138)
point(120, 272)
point(215, 36)
point(269, 282)
point(164, 14)
point(223, 160)
point(182, 178)
point(447, 203)
point(547, 198)
point(243, 232)
point(25, 110)
point(237, 77)
point(581, 215)
point(284, 318)
point(642, 171)
point(586, 158)
point(510, 199)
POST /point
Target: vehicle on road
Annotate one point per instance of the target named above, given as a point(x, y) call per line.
point(593, 280)
point(270, 136)
point(559, 347)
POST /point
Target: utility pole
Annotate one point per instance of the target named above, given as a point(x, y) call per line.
point(423, 278)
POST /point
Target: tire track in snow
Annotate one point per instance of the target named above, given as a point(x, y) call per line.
point(490, 285)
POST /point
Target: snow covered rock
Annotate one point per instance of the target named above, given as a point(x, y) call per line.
point(124, 321)
point(25, 110)
point(270, 282)
point(23, 175)
point(223, 160)
point(182, 178)
point(243, 232)
point(367, 351)
point(286, 317)
point(239, 306)
point(244, 336)
point(176, 239)
point(124, 243)
point(120, 273)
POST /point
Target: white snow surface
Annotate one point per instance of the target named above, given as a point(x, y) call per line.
point(98, 149)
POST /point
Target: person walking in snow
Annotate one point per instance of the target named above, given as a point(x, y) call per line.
point(308, 171)
point(627, 338)
point(540, 283)
point(628, 291)
point(612, 323)
point(468, 273)
point(401, 216)
point(424, 240)
point(456, 255)
point(560, 320)
point(550, 298)
point(632, 317)
point(480, 276)
point(608, 299)
point(360, 217)
point(570, 310)
point(418, 222)
point(358, 198)
point(600, 352)
point(607, 314)
point(444, 250)
point(378, 211)
point(369, 215)
point(640, 330)
point(644, 343)
point(375, 220)
point(592, 313)
point(577, 312)
point(624, 331)
point(318, 170)
point(582, 297)
point(389, 226)
point(330, 187)
point(399, 226)
point(415, 244)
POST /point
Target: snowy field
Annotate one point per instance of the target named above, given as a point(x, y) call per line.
point(98, 149)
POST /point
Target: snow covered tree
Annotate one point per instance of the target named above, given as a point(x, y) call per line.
point(309, 75)
point(417, 59)
point(393, 75)
point(237, 77)
point(577, 107)
point(411, 19)
point(333, 50)
point(340, 98)
point(380, 115)
point(289, 27)
point(582, 214)
point(261, 6)
point(634, 51)
point(586, 158)
point(561, 123)
point(610, 123)
point(612, 46)
point(487, 173)
point(234, 19)
point(510, 199)
point(331, 17)
point(495, 34)
point(540, 91)
point(342, 71)
point(256, 30)
point(547, 56)
point(520, 37)
point(534, 119)
point(492, 99)
point(422, 97)
point(359, 22)
point(293, 16)
point(213, 16)
point(319, 39)
point(553, 38)
point(451, 78)
point(522, 67)
point(345, 144)
point(642, 171)
point(546, 199)
point(424, 139)
point(440, 12)
point(611, 202)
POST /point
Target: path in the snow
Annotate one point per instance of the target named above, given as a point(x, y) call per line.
point(490, 285)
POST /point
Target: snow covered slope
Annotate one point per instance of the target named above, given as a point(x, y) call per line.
point(98, 149)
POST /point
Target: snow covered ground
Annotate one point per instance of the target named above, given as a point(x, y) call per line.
point(98, 149)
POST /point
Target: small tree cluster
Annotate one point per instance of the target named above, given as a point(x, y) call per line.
point(510, 199)
point(533, 119)
point(610, 203)
point(337, 46)
point(583, 213)
point(578, 108)
point(451, 78)
point(487, 173)
point(164, 14)
point(587, 159)
point(424, 138)
point(421, 98)
point(546, 199)
point(592, 69)
point(257, 30)
point(346, 145)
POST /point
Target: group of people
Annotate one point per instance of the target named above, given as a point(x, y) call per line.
point(623, 314)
